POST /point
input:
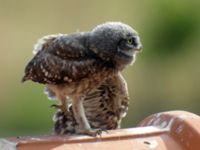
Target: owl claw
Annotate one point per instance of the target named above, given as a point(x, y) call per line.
point(92, 132)
point(104, 130)
point(61, 107)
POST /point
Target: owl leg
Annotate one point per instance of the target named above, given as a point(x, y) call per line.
point(79, 114)
point(63, 106)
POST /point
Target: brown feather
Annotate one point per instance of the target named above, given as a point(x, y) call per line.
point(104, 107)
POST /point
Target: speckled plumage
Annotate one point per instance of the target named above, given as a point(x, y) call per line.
point(104, 107)
point(74, 65)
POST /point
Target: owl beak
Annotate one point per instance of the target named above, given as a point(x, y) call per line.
point(137, 46)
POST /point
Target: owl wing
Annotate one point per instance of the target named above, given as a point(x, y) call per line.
point(59, 59)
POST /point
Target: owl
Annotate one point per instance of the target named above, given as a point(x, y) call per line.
point(73, 65)
point(104, 107)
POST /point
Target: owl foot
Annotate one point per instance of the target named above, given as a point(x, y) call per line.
point(61, 107)
point(91, 132)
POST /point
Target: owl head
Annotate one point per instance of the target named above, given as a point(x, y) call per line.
point(115, 42)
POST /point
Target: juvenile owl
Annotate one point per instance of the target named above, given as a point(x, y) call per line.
point(104, 107)
point(73, 65)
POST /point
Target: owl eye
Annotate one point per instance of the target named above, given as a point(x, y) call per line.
point(130, 41)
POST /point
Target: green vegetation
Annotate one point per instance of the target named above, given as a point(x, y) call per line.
point(166, 75)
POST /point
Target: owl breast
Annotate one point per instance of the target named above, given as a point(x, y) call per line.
point(104, 107)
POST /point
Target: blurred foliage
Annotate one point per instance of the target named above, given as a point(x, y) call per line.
point(166, 75)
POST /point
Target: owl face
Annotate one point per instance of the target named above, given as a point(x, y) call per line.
point(127, 49)
point(116, 42)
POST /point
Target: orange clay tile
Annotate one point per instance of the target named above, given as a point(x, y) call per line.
point(173, 130)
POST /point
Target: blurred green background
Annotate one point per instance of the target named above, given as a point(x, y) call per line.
point(166, 75)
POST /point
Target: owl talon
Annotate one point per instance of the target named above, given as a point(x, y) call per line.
point(54, 105)
point(92, 132)
point(61, 107)
point(104, 130)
